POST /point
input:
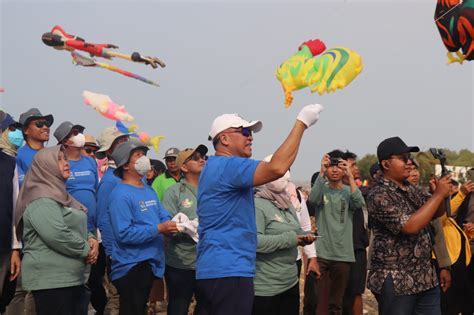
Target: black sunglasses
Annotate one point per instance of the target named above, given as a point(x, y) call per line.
point(42, 123)
point(90, 150)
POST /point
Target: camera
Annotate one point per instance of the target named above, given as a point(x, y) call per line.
point(438, 154)
point(334, 161)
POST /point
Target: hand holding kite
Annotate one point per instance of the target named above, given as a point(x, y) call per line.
point(333, 69)
point(106, 107)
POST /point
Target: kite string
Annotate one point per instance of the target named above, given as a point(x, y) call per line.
point(442, 16)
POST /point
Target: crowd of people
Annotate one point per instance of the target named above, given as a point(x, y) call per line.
point(95, 224)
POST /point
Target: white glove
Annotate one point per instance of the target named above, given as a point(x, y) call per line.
point(309, 115)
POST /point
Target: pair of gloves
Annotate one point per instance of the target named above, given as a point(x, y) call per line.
point(309, 115)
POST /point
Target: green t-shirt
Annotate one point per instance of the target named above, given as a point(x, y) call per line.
point(162, 183)
point(180, 248)
point(54, 246)
point(275, 268)
point(334, 212)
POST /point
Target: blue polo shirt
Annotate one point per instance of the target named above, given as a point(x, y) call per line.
point(226, 211)
point(135, 213)
point(24, 159)
point(106, 186)
point(82, 184)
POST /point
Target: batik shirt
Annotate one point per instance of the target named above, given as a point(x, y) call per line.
point(407, 258)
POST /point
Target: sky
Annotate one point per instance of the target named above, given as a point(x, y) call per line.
point(222, 56)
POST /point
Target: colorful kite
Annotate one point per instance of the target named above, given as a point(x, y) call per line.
point(144, 137)
point(61, 40)
point(333, 69)
point(455, 20)
point(82, 60)
point(106, 107)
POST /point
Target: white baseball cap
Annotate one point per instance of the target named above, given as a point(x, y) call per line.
point(227, 121)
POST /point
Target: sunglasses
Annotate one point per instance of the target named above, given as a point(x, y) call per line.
point(196, 157)
point(246, 132)
point(42, 123)
point(90, 150)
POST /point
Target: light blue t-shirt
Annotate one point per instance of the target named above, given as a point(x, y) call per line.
point(106, 186)
point(82, 184)
point(226, 211)
point(135, 213)
point(24, 159)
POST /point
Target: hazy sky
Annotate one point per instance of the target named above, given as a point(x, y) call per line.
point(221, 57)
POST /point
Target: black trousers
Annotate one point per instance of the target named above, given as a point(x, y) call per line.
point(134, 289)
point(95, 283)
point(61, 301)
point(285, 303)
point(181, 285)
point(224, 296)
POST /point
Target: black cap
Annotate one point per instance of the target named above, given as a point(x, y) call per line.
point(392, 146)
point(374, 169)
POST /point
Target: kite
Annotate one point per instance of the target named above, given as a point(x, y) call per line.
point(333, 69)
point(455, 20)
point(61, 40)
point(82, 60)
point(106, 107)
point(143, 137)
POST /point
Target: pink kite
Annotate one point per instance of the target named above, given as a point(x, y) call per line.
point(106, 107)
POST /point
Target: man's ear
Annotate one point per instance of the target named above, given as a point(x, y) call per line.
point(184, 168)
point(224, 139)
point(385, 164)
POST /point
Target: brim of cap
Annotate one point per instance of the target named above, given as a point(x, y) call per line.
point(105, 148)
point(407, 150)
point(91, 144)
point(255, 126)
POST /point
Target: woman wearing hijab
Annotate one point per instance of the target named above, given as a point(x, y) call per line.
point(56, 244)
point(278, 236)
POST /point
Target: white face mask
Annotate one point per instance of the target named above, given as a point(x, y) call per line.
point(78, 140)
point(142, 165)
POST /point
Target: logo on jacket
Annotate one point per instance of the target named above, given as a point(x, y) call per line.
point(186, 203)
point(278, 218)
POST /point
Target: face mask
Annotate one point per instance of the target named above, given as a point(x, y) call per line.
point(78, 140)
point(142, 165)
point(16, 138)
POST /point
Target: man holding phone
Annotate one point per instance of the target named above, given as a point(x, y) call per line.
point(335, 204)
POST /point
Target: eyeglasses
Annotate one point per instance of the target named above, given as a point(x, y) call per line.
point(42, 123)
point(402, 157)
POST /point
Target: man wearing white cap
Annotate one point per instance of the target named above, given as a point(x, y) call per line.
point(227, 230)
